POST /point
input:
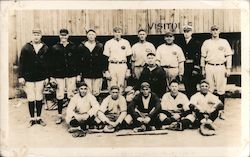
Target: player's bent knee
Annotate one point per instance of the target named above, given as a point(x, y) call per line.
point(128, 119)
point(162, 117)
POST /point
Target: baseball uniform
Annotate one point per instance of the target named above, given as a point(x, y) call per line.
point(139, 56)
point(113, 110)
point(215, 53)
point(92, 65)
point(170, 57)
point(179, 105)
point(78, 106)
point(117, 53)
point(33, 68)
point(206, 104)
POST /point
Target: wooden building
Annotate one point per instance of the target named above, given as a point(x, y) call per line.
point(156, 21)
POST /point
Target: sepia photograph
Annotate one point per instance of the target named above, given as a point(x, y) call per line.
point(123, 78)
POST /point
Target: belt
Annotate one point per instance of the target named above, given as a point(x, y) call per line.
point(216, 64)
point(189, 61)
point(167, 66)
point(118, 62)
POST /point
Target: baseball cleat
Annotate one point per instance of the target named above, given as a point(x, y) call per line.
point(40, 122)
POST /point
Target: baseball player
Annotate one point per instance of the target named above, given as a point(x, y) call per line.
point(33, 73)
point(191, 49)
point(170, 56)
point(175, 112)
point(64, 69)
point(118, 51)
point(154, 75)
point(216, 63)
point(206, 105)
point(140, 51)
point(81, 111)
point(113, 110)
point(143, 110)
point(129, 94)
point(92, 62)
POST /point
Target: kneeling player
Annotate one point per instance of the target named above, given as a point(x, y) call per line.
point(176, 113)
point(144, 110)
point(113, 110)
point(207, 107)
point(81, 111)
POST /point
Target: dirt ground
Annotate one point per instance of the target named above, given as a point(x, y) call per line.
point(52, 135)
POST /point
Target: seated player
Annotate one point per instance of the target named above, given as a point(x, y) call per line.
point(206, 105)
point(81, 111)
point(113, 110)
point(175, 113)
point(144, 110)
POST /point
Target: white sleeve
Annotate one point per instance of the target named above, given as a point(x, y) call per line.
point(70, 109)
point(106, 50)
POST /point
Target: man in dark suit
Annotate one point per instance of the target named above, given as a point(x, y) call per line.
point(191, 49)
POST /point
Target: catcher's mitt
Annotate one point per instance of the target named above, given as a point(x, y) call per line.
point(207, 129)
point(109, 129)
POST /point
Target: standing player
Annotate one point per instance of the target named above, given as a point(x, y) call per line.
point(191, 49)
point(33, 72)
point(64, 69)
point(118, 51)
point(170, 56)
point(216, 63)
point(140, 51)
point(92, 62)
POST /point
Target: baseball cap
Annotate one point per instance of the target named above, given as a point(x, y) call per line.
point(187, 28)
point(80, 84)
point(214, 27)
point(169, 34)
point(128, 90)
point(145, 85)
point(37, 30)
point(204, 81)
point(90, 30)
point(64, 31)
point(115, 29)
point(114, 87)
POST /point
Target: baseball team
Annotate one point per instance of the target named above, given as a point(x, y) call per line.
point(153, 100)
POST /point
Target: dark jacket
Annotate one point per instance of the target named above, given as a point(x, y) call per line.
point(64, 61)
point(93, 63)
point(191, 50)
point(153, 110)
point(156, 78)
point(33, 67)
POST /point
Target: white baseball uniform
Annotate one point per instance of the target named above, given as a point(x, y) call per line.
point(170, 58)
point(87, 104)
point(215, 53)
point(205, 103)
point(117, 51)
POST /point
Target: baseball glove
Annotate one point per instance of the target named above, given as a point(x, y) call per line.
point(207, 129)
point(109, 129)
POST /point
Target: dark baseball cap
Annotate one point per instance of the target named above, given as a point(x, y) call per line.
point(204, 81)
point(214, 27)
point(64, 31)
point(169, 34)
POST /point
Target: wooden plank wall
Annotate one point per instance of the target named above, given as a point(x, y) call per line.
point(157, 21)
